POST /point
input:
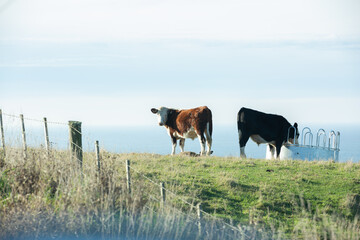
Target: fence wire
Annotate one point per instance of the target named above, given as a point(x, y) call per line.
point(188, 203)
point(14, 128)
point(11, 119)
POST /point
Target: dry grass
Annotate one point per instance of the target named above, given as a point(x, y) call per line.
point(42, 198)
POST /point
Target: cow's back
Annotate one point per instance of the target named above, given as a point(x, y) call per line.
point(256, 122)
point(194, 118)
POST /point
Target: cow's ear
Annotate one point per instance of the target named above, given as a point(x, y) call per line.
point(295, 125)
point(154, 110)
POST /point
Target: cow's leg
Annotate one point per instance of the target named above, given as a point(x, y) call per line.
point(278, 148)
point(182, 144)
point(202, 143)
point(173, 140)
point(208, 140)
point(272, 150)
point(243, 138)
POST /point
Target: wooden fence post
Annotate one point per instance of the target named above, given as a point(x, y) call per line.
point(97, 154)
point(199, 213)
point(23, 135)
point(163, 194)
point(47, 143)
point(128, 180)
point(2, 133)
point(75, 139)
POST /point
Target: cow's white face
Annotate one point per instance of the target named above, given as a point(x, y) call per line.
point(293, 135)
point(162, 114)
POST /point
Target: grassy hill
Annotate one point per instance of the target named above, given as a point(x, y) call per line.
point(261, 198)
point(252, 191)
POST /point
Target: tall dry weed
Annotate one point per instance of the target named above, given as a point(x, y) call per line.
point(44, 197)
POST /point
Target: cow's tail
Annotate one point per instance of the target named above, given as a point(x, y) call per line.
point(240, 123)
point(210, 123)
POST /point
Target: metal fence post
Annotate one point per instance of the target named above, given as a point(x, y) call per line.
point(2, 133)
point(128, 179)
point(47, 143)
point(162, 193)
point(23, 135)
point(97, 154)
point(199, 213)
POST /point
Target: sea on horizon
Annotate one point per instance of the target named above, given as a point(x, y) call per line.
point(154, 139)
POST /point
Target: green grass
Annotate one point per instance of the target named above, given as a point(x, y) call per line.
point(253, 190)
point(262, 198)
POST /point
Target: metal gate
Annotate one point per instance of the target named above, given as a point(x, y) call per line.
point(325, 148)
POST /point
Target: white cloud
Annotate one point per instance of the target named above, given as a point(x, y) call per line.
point(109, 20)
point(139, 20)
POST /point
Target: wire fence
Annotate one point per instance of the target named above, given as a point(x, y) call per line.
point(15, 134)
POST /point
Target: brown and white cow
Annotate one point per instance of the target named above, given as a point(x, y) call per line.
point(188, 123)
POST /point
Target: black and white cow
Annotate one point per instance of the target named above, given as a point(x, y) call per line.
point(264, 128)
point(188, 123)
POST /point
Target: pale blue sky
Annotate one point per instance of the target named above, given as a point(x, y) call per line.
point(118, 59)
